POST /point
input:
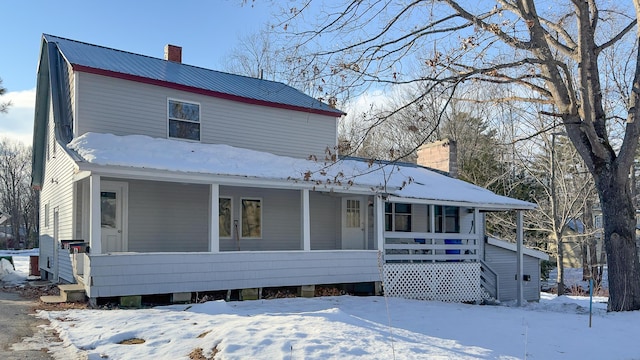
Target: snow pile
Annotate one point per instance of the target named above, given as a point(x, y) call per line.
point(6, 269)
point(19, 275)
point(144, 152)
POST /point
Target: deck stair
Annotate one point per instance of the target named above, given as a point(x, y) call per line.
point(68, 293)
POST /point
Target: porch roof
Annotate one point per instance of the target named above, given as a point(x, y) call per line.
point(144, 153)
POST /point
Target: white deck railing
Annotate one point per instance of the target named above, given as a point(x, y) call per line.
point(430, 247)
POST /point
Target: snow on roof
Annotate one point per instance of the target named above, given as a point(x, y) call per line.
point(144, 152)
point(512, 247)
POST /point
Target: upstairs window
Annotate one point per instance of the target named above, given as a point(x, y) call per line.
point(184, 120)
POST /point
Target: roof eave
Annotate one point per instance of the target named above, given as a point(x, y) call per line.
point(41, 114)
point(84, 169)
point(480, 205)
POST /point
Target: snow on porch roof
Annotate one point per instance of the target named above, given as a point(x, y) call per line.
point(144, 152)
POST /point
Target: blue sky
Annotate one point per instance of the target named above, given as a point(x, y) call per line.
point(206, 30)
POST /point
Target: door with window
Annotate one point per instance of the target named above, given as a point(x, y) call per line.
point(353, 224)
point(112, 216)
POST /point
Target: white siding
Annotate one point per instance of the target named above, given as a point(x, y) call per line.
point(140, 274)
point(57, 192)
point(65, 269)
point(121, 107)
point(503, 262)
point(167, 217)
point(466, 221)
point(46, 260)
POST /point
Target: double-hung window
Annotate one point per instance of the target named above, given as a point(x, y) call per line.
point(447, 219)
point(251, 218)
point(397, 217)
point(184, 120)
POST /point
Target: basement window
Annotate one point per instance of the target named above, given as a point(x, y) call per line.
point(184, 120)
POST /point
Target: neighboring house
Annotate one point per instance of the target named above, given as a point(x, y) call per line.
point(574, 243)
point(165, 178)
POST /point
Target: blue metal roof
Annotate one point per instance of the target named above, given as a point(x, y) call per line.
point(115, 62)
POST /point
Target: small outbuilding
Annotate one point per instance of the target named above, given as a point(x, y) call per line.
point(501, 257)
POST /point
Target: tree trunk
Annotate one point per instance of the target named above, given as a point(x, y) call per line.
point(619, 237)
point(560, 264)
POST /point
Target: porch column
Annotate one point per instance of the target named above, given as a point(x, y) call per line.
point(379, 223)
point(214, 218)
point(478, 229)
point(95, 230)
point(306, 220)
point(519, 261)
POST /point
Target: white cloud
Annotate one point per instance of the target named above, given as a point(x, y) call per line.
point(20, 99)
point(17, 123)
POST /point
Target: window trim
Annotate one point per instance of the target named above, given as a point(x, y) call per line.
point(441, 219)
point(230, 198)
point(393, 214)
point(199, 122)
point(242, 199)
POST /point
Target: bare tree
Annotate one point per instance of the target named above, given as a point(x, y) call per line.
point(548, 54)
point(4, 106)
point(566, 189)
point(15, 192)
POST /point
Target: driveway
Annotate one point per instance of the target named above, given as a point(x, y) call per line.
point(17, 323)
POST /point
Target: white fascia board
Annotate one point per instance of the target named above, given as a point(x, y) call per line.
point(85, 169)
point(469, 204)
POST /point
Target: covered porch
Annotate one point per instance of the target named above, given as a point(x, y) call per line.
point(153, 236)
point(154, 227)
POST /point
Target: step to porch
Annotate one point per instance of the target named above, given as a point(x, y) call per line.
point(68, 293)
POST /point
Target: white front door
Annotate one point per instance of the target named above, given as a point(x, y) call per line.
point(353, 227)
point(112, 219)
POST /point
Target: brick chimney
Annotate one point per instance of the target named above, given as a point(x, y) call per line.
point(440, 155)
point(173, 53)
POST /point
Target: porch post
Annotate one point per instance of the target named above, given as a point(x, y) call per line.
point(379, 223)
point(95, 234)
point(478, 228)
point(306, 220)
point(519, 262)
point(214, 218)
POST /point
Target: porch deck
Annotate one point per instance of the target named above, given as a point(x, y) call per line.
point(124, 274)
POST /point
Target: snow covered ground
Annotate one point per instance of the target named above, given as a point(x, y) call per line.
point(8, 275)
point(347, 327)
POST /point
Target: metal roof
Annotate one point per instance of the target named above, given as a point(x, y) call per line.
point(117, 63)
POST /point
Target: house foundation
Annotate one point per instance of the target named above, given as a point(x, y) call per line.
point(307, 291)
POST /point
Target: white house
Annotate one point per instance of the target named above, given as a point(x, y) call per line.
point(167, 178)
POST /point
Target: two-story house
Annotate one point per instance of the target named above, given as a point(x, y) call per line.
point(172, 179)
